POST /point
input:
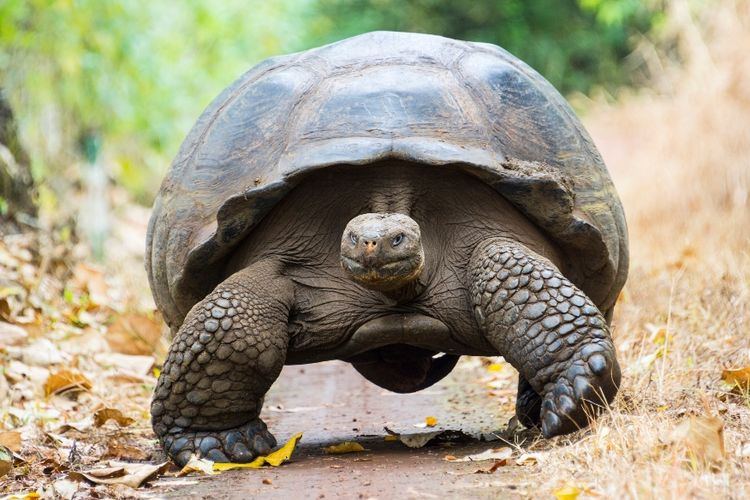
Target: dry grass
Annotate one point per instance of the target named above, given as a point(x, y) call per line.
point(681, 162)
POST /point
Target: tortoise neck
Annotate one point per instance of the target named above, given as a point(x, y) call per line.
point(406, 293)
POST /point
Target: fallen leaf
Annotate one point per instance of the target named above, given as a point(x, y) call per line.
point(267, 481)
point(391, 437)
point(196, 464)
point(103, 414)
point(43, 353)
point(495, 466)
point(739, 379)
point(529, 459)
point(130, 364)
point(65, 488)
point(12, 335)
point(91, 279)
point(133, 475)
point(66, 380)
point(494, 367)
point(418, 440)
point(567, 492)
point(503, 453)
point(430, 421)
point(6, 461)
point(345, 447)
point(11, 440)
point(18, 372)
point(274, 459)
point(702, 438)
point(124, 452)
point(135, 333)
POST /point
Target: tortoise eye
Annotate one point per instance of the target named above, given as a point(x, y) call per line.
point(397, 240)
point(353, 237)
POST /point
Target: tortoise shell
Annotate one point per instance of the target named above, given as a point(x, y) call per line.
point(383, 95)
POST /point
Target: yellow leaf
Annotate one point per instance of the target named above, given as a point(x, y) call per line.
point(66, 380)
point(274, 459)
point(431, 421)
point(196, 464)
point(494, 367)
point(567, 492)
point(391, 437)
point(345, 447)
point(739, 378)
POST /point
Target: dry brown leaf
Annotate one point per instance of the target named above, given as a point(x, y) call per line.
point(90, 278)
point(739, 379)
point(135, 333)
point(124, 452)
point(133, 475)
point(11, 440)
point(66, 380)
point(495, 466)
point(702, 438)
point(103, 414)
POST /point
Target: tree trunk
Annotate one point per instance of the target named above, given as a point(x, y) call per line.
point(16, 185)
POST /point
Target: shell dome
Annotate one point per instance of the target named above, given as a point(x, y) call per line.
point(382, 95)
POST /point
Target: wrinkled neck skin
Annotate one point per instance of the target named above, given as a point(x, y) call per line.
point(382, 249)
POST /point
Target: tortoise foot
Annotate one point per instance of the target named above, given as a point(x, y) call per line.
point(240, 444)
point(581, 392)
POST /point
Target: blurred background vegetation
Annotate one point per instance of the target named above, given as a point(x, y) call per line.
point(104, 92)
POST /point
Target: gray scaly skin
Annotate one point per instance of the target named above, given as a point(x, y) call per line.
point(549, 331)
point(225, 357)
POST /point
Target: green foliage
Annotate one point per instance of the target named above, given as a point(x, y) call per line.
point(135, 72)
point(573, 43)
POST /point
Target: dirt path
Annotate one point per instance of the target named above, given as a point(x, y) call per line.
point(331, 403)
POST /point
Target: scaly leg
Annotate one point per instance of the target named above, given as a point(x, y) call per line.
point(224, 358)
point(548, 329)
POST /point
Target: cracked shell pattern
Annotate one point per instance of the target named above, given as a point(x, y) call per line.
point(222, 361)
point(549, 330)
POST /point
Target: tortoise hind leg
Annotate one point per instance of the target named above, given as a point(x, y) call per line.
point(226, 355)
point(528, 404)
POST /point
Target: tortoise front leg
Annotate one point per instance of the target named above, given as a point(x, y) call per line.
point(549, 330)
point(224, 358)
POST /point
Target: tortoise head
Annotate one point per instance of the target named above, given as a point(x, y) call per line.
point(382, 251)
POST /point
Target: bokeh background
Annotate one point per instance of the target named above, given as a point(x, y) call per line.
point(96, 97)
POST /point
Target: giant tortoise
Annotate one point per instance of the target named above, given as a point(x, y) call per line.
point(393, 200)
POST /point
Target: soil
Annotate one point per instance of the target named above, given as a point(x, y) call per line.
point(331, 404)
